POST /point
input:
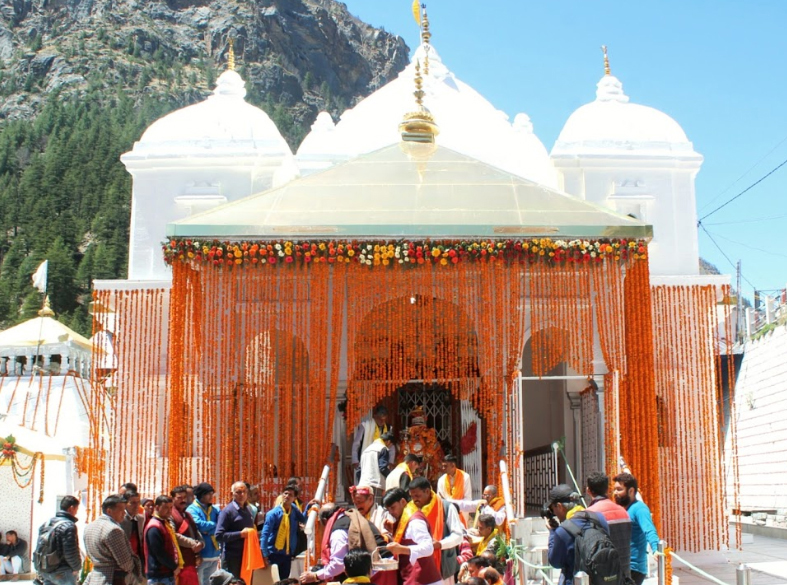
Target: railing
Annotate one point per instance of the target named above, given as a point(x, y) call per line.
point(540, 475)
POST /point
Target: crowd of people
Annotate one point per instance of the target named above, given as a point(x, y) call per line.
point(419, 533)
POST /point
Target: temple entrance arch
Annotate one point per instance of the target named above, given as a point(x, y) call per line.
point(429, 359)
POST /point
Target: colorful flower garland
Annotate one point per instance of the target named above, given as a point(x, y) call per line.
point(23, 474)
point(402, 252)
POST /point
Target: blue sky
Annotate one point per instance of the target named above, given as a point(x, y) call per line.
point(718, 67)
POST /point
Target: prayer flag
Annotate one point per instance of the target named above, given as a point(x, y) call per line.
point(39, 277)
point(417, 12)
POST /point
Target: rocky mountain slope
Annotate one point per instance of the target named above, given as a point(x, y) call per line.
point(298, 56)
point(80, 80)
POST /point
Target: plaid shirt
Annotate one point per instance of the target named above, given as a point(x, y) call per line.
point(109, 549)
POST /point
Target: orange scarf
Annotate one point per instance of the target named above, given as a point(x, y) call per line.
point(252, 557)
point(496, 504)
point(435, 517)
point(456, 491)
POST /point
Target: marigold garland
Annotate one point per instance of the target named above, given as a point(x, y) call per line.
point(690, 414)
point(400, 252)
point(235, 373)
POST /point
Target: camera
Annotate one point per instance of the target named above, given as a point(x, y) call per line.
point(548, 515)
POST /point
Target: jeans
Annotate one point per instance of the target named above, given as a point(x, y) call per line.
point(61, 577)
point(283, 562)
point(638, 577)
point(12, 566)
point(162, 581)
point(206, 569)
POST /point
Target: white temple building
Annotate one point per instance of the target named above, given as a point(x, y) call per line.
point(45, 393)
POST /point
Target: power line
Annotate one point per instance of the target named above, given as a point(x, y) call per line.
point(749, 246)
point(754, 220)
point(750, 169)
point(735, 266)
point(747, 189)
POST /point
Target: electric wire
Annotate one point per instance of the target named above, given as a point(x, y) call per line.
point(750, 169)
point(746, 190)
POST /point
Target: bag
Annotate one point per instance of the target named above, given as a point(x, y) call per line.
point(46, 557)
point(594, 552)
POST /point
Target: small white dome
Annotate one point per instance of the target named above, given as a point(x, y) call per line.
point(223, 124)
point(468, 124)
point(612, 123)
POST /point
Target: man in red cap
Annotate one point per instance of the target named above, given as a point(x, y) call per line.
point(363, 498)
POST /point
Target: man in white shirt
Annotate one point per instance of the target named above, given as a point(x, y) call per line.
point(403, 474)
point(375, 463)
point(454, 485)
point(412, 541)
point(490, 503)
point(370, 428)
point(444, 524)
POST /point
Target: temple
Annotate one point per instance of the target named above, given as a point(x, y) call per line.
point(542, 309)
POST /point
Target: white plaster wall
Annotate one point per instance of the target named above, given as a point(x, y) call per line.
point(761, 401)
point(158, 184)
point(664, 190)
point(15, 505)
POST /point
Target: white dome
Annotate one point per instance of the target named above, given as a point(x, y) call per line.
point(611, 124)
point(468, 124)
point(223, 124)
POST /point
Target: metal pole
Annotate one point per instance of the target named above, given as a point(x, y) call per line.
point(743, 574)
point(581, 578)
point(662, 563)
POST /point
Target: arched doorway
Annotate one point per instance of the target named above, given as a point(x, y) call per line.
point(429, 360)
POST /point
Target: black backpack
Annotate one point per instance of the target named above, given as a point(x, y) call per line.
point(594, 552)
point(46, 557)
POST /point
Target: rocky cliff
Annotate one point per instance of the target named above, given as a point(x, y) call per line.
point(80, 80)
point(297, 56)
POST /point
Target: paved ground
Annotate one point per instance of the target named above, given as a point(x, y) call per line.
point(766, 556)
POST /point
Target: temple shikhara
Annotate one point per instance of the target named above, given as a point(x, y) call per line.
point(425, 253)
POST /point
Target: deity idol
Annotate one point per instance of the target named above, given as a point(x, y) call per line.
point(421, 440)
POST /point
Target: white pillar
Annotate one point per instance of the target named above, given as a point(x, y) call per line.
point(749, 322)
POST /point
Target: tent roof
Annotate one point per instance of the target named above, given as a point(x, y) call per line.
point(43, 331)
point(392, 194)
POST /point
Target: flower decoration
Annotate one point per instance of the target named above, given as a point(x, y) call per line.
point(403, 253)
point(9, 447)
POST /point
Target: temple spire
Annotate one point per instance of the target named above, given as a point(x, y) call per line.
point(425, 36)
point(606, 60)
point(46, 310)
point(231, 55)
point(419, 126)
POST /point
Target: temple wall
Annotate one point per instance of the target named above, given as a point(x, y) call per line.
point(761, 400)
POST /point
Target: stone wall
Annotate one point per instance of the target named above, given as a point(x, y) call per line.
point(761, 401)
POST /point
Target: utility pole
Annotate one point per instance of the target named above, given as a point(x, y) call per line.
point(739, 306)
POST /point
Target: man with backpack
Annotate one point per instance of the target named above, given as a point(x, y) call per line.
point(581, 541)
point(57, 558)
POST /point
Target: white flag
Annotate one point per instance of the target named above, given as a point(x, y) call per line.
point(39, 278)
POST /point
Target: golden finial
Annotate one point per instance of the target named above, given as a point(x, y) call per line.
point(606, 60)
point(419, 126)
point(425, 34)
point(231, 55)
point(419, 86)
point(46, 310)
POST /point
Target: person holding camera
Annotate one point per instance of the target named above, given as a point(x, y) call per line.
point(564, 503)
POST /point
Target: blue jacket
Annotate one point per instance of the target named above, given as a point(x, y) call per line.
point(207, 527)
point(271, 528)
point(643, 533)
point(561, 547)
